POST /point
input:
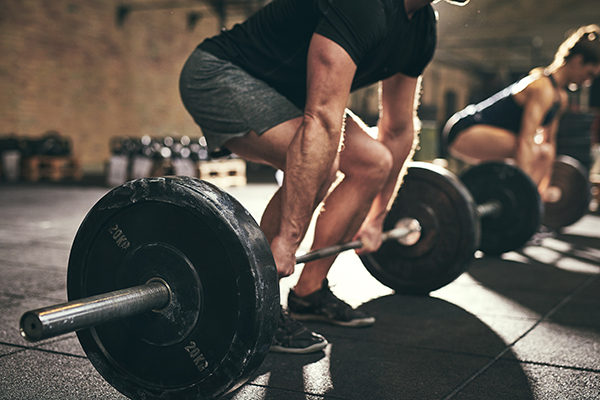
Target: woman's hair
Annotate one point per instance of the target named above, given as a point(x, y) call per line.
point(585, 42)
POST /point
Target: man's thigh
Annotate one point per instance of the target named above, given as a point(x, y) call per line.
point(269, 148)
point(226, 102)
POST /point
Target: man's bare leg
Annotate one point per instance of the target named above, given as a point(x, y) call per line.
point(365, 163)
point(270, 148)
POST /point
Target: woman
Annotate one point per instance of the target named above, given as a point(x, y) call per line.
point(520, 122)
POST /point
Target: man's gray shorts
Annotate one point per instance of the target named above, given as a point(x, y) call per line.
point(227, 102)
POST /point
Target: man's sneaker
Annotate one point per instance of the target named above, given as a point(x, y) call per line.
point(322, 305)
point(293, 337)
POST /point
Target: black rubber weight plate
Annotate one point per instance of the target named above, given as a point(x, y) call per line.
point(521, 205)
point(212, 253)
point(449, 233)
point(571, 177)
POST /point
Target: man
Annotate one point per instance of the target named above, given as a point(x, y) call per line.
point(274, 89)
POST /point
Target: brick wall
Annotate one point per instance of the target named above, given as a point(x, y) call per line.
point(67, 65)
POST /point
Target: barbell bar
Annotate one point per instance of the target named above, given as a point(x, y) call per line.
point(402, 233)
point(48, 322)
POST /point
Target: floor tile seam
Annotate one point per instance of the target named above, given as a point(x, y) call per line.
point(12, 353)
point(509, 347)
point(22, 264)
point(552, 365)
point(567, 299)
point(476, 374)
point(24, 348)
point(560, 366)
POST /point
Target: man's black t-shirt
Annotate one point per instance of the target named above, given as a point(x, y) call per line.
point(272, 45)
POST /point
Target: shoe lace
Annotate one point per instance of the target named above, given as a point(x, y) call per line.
point(333, 299)
point(287, 322)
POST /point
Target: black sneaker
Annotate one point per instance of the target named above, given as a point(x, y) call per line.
point(324, 306)
point(293, 337)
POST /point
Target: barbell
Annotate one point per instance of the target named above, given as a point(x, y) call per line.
point(494, 207)
point(173, 290)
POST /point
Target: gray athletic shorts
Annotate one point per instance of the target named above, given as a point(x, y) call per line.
point(227, 102)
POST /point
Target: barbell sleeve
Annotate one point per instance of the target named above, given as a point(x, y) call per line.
point(393, 234)
point(491, 208)
point(48, 322)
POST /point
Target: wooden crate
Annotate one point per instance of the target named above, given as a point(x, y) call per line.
point(54, 168)
point(223, 173)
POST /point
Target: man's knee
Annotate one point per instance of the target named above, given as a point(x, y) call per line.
point(375, 166)
point(383, 164)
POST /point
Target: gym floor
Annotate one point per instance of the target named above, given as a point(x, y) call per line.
point(524, 326)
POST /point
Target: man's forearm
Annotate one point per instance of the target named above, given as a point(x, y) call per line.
point(308, 167)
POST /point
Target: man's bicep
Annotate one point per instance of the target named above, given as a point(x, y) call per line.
point(330, 71)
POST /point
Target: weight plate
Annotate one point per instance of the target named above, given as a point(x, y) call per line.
point(571, 179)
point(521, 205)
point(225, 294)
point(449, 233)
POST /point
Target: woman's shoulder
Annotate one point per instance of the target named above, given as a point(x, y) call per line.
point(539, 83)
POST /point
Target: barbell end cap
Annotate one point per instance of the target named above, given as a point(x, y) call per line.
point(30, 327)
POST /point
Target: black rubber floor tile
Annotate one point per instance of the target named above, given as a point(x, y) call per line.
point(33, 234)
point(66, 344)
point(508, 317)
point(356, 371)
point(529, 275)
point(29, 281)
point(37, 255)
point(582, 310)
point(560, 345)
point(502, 380)
point(37, 375)
point(258, 389)
point(517, 311)
point(552, 383)
point(421, 322)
